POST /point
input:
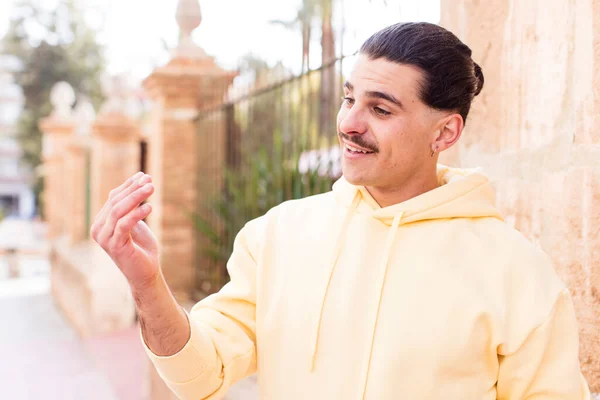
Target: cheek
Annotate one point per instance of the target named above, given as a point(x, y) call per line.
point(340, 116)
point(390, 136)
point(396, 144)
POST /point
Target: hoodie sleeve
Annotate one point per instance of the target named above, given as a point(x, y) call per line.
point(222, 345)
point(546, 365)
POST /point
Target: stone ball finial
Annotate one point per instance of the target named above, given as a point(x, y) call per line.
point(113, 85)
point(106, 84)
point(62, 97)
point(85, 114)
point(133, 108)
point(114, 88)
point(189, 17)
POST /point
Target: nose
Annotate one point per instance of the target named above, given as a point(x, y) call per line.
point(351, 121)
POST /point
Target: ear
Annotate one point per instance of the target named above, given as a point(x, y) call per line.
point(448, 132)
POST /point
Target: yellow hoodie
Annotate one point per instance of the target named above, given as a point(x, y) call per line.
point(334, 297)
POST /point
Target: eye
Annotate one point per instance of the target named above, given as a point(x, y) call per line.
point(348, 101)
point(381, 111)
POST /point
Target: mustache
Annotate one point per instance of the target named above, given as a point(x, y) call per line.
point(358, 140)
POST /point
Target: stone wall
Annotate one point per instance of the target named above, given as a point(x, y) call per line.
point(89, 289)
point(534, 129)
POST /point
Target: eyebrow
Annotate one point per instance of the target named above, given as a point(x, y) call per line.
point(377, 95)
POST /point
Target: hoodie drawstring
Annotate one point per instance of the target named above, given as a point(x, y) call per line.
point(381, 273)
point(331, 266)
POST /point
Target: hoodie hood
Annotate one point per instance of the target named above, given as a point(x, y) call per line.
point(463, 193)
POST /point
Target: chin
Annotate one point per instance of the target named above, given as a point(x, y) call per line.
point(354, 177)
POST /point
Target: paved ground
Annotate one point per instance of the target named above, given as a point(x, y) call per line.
point(43, 358)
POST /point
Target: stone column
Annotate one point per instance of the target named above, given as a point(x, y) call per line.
point(535, 130)
point(76, 183)
point(57, 129)
point(116, 152)
point(77, 177)
point(189, 82)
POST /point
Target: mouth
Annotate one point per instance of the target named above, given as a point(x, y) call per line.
point(355, 150)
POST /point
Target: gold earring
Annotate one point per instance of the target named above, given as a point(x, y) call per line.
point(433, 152)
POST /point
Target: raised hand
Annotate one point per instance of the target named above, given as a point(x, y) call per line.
point(120, 230)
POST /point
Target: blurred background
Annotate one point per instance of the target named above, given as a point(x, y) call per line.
point(230, 105)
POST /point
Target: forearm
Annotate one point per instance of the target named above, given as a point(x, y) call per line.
point(165, 327)
point(218, 348)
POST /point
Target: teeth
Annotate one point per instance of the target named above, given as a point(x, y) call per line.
point(354, 149)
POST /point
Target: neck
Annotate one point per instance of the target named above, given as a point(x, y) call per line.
point(417, 184)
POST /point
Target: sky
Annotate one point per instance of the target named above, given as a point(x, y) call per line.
point(134, 32)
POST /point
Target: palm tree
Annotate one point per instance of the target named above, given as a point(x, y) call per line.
point(328, 56)
point(304, 18)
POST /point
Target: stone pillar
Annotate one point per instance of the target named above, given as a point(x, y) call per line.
point(77, 179)
point(57, 129)
point(189, 82)
point(76, 182)
point(535, 130)
point(115, 155)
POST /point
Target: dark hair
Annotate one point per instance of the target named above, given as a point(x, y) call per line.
point(452, 78)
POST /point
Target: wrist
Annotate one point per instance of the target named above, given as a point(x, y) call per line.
point(145, 291)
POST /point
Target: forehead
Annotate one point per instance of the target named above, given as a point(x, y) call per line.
point(400, 80)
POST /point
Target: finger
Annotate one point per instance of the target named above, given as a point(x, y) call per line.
point(124, 207)
point(130, 181)
point(144, 179)
point(143, 236)
point(127, 224)
point(127, 184)
point(136, 184)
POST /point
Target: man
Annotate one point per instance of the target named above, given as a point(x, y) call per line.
point(401, 283)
